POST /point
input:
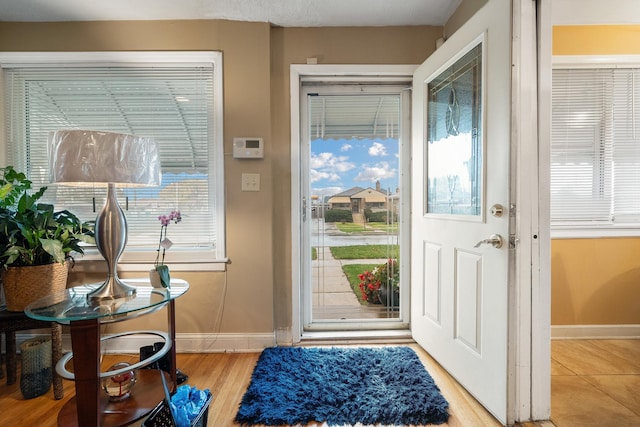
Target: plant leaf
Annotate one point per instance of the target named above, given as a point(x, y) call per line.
point(53, 248)
point(4, 190)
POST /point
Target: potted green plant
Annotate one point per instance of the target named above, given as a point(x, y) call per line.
point(35, 241)
point(388, 275)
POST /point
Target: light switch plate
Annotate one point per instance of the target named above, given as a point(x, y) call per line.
point(250, 182)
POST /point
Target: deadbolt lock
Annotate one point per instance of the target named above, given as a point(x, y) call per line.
point(497, 210)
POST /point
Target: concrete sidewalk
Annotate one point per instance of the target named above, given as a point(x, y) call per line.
point(330, 285)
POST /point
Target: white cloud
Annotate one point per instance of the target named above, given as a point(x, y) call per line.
point(328, 166)
point(375, 173)
point(316, 175)
point(346, 147)
point(344, 166)
point(377, 150)
point(320, 160)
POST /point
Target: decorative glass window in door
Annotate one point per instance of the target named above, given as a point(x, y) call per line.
point(454, 137)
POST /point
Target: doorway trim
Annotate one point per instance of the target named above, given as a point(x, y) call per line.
point(530, 322)
point(297, 72)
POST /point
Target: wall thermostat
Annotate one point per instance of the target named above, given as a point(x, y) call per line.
point(248, 148)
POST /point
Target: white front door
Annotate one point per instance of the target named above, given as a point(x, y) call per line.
point(460, 208)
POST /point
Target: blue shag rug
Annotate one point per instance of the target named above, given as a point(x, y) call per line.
point(387, 385)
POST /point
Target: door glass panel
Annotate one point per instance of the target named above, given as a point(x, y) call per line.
point(355, 186)
point(454, 138)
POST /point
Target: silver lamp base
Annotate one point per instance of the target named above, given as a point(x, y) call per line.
point(112, 289)
point(111, 239)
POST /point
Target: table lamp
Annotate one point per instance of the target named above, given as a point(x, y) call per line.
point(95, 158)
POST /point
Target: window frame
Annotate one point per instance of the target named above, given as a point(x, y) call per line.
point(197, 259)
point(588, 231)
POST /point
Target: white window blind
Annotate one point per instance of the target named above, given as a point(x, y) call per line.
point(626, 146)
point(595, 148)
point(172, 104)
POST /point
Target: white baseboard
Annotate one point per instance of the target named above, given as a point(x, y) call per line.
point(224, 343)
point(247, 343)
point(595, 331)
point(185, 343)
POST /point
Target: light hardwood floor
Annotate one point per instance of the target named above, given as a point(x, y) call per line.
point(595, 383)
point(579, 375)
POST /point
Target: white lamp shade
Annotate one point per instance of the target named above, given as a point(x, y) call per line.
point(95, 157)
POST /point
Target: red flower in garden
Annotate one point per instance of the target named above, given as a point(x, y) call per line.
point(369, 286)
point(385, 276)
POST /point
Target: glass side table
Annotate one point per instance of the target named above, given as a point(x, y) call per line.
point(90, 406)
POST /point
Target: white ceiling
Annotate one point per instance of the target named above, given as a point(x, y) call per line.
point(286, 13)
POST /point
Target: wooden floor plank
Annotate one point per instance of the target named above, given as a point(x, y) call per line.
point(227, 375)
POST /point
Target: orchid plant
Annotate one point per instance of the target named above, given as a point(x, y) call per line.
point(165, 243)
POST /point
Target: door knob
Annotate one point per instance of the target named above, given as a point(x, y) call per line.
point(494, 240)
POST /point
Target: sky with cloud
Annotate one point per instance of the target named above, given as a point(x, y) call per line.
point(338, 165)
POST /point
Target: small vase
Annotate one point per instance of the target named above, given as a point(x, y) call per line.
point(159, 276)
point(154, 278)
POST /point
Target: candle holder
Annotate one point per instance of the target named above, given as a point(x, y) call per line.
point(118, 387)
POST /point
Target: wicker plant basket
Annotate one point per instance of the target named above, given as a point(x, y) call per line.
point(23, 285)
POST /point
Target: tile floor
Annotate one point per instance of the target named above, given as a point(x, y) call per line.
point(595, 383)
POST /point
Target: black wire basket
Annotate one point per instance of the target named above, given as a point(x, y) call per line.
point(161, 415)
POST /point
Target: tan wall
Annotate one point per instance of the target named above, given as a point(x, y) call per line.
point(256, 103)
point(595, 281)
point(596, 40)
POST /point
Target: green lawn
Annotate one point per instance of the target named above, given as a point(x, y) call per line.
point(365, 251)
point(352, 271)
point(390, 228)
point(352, 227)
